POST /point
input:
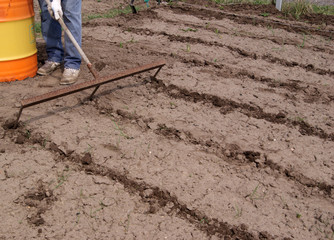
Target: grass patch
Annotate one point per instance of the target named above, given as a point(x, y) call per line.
point(255, 195)
point(297, 8)
point(188, 49)
point(189, 30)
point(327, 10)
point(264, 14)
point(121, 132)
point(303, 43)
point(242, 1)
point(112, 13)
point(299, 119)
point(62, 177)
point(238, 211)
point(38, 29)
point(93, 213)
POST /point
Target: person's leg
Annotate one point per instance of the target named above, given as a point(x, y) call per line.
point(133, 8)
point(51, 31)
point(72, 19)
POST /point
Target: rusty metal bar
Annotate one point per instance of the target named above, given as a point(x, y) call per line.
point(86, 85)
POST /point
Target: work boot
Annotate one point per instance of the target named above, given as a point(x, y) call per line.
point(70, 76)
point(48, 68)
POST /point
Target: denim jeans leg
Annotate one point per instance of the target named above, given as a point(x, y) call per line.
point(72, 19)
point(51, 31)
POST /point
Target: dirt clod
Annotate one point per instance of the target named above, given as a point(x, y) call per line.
point(100, 65)
point(36, 220)
point(86, 159)
point(9, 124)
point(20, 139)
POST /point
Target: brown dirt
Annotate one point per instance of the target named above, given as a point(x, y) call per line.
point(232, 140)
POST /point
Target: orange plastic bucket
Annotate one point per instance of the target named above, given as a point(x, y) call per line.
point(18, 53)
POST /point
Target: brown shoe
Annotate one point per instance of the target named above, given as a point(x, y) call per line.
point(70, 76)
point(48, 68)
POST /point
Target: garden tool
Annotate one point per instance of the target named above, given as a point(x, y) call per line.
point(96, 83)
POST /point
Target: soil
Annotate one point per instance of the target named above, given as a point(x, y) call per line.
point(233, 139)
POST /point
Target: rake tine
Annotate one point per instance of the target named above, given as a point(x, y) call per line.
point(91, 96)
point(18, 117)
point(157, 72)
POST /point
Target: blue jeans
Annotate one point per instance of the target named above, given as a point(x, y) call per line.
point(51, 31)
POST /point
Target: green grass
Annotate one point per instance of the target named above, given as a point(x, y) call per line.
point(242, 1)
point(37, 27)
point(112, 13)
point(121, 132)
point(189, 30)
point(28, 134)
point(264, 14)
point(296, 8)
point(238, 211)
point(302, 7)
point(204, 221)
point(299, 119)
point(188, 49)
point(302, 45)
point(62, 177)
point(172, 105)
point(88, 149)
point(327, 10)
point(94, 212)
point(255, 195)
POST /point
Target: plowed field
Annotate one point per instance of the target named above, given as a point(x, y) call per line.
point(233, 139)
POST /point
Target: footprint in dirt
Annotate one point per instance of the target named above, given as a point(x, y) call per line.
point(116, 39)
point(51, 80)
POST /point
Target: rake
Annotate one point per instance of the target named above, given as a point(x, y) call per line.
point(96, 83)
